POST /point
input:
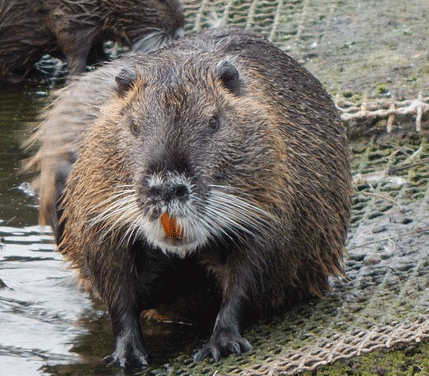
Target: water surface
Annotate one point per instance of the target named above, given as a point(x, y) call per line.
point(39, 305)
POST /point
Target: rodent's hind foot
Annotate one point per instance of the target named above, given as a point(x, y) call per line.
point(131, 359)
point(222, 345)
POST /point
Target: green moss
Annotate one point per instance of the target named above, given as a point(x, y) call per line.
point(401, 361)
point(425, 69)
point(381, 89)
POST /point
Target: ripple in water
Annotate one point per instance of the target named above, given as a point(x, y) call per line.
point(40, 308)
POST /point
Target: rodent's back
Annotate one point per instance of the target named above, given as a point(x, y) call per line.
point(64, 124)
point(76, 30)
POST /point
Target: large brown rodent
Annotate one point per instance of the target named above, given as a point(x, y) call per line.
point(218, 158)
point(76, 29)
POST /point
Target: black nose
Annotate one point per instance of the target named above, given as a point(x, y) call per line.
point(169, 192)
point(180, 190)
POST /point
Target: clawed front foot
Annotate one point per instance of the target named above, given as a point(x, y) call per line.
point(223, 344)
point(128, 355)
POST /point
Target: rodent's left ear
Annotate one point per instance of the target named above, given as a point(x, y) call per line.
point(125, 80)
point(230, 76)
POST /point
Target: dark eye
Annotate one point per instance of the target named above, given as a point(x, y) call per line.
point(134, 128)
point(214, 123)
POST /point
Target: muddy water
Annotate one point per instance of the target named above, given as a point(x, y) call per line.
point(48, 326)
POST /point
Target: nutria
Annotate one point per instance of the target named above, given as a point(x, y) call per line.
point(76, 30)
point(216, 158)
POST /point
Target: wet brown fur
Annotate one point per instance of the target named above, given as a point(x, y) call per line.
point(298, 171)
point(74, 30)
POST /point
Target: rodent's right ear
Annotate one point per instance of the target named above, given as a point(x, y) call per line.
point(125, 80)
point(230, 77)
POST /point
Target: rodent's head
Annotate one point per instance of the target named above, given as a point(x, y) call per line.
point(146, 24)
point(198, 152)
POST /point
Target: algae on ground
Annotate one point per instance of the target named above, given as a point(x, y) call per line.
point(403, 360)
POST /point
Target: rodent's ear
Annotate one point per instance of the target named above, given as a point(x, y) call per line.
point(229, 76)
point(125, 80)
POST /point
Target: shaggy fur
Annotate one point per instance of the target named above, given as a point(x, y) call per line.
point(238, 144)
point(75, 30)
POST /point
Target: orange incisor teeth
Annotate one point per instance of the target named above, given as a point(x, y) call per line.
point(171, 228)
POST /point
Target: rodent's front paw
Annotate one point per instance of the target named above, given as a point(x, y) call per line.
point(222, 345)
point(129, 358)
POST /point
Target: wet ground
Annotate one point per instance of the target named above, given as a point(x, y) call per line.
point(357, 49)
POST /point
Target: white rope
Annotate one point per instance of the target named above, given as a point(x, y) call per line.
point(386, 109)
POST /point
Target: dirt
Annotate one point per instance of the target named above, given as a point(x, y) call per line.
point(377, 48)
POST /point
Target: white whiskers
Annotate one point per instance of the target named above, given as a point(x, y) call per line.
point(230, 212)
point(218, 215)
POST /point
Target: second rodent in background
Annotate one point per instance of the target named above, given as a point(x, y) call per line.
point(215, 167)
point(76, 30)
